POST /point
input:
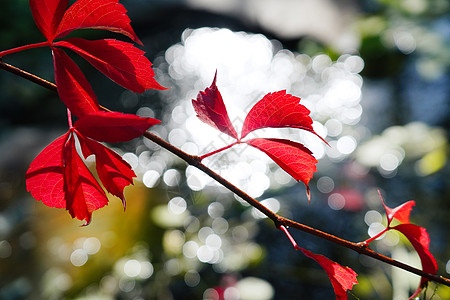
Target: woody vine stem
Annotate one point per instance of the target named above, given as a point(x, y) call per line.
point(279, 221)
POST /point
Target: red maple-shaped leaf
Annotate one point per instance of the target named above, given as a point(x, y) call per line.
point(291, 156)
point(73, 88)
point(342, 278)
point(277, 110)
point(114, 173)
point(419, 239)
point(83, 194)
point(211, 110)
point(113, 127)
point(120, 61)
point(98, 14)
point(400, 212)
point(47, 15)
point(44, 177)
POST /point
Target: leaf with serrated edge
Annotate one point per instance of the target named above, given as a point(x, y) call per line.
point(44, 177)
point(211, 110)
point(113, 127)
point(291, 156)
point(120, 61)
point(73, 88)
point(47, 15)
point(98, 14)
point(82, 192)
point(419, 239)
point(342, 278)
point(115, 173)
point(278, 110)
point(400, 212)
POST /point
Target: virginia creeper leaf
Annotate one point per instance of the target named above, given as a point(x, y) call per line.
point(419, 239)
point(113, 127)
point(99, 14)
point(73, 88)
point(121, 62)
point(44, 177)
point(342, 278)
point(291, 156)
point(211, 110)
point(83, 194)
point(400, 212)
point(114, 173)
point(47, 15)
point(278, 109)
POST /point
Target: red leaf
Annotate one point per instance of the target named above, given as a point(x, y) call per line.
point(82, 192)
point(419, 239)
point(211, 110)
point(59, 178)
point(99, 14)
point(342, 278)
point(113, 127)
point(291, 156)
point(278, 109)
point(114, 172)
point(44, 177)
point(47, 15)
point(73, 88)
point(400, 212)
point(122, 62)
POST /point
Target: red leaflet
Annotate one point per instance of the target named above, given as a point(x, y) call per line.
point(47, 15)
point(99, 14)
point(83, 193)
point(210, 109)
point(342, 278)
point(73, 88)
point(44, 177)
point(115, 173)
point(293, 157)
point(121, 62)
point(400, 212)
point(277, 109)
point(419, 239)
point(113, 127)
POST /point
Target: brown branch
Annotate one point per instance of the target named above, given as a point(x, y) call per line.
point(195, 161)
point(24, 74)
point(361, 248)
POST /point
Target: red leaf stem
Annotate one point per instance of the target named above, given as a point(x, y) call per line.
point(26, 47)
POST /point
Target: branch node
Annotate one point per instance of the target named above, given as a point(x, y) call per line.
point(362, 245)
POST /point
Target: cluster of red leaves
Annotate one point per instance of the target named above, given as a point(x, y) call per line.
point(58, 176)
point(122, 62)
point(417, 236)
point(275, 110)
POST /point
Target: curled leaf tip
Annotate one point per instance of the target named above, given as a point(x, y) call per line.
point(308, 194)
point(87, 222)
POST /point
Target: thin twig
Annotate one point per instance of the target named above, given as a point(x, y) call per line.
point(279, 221)
point(31, 77)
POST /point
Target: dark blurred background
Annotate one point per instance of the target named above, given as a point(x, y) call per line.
point(374, 74)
